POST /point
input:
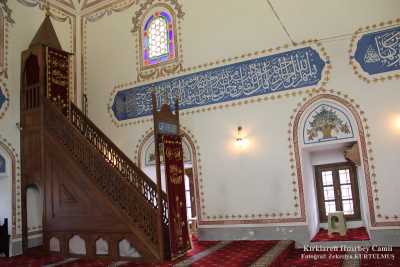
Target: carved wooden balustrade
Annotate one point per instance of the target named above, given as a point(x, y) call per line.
point(113, 172)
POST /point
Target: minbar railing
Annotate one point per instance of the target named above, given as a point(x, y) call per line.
point(114, 173)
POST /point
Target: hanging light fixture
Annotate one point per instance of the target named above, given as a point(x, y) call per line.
point(241, 141)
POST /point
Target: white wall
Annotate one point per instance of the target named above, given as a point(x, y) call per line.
point(257, 180)
point(232, 182)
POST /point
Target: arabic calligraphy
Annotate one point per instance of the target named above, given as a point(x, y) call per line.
point(289, 70)
point(379, 52)
point(58, 75)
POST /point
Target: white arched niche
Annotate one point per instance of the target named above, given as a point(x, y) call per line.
point(326, 128)
point(34, 209)
point(5, 188)
point(146, 156)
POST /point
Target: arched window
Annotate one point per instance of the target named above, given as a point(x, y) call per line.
point(158, 38)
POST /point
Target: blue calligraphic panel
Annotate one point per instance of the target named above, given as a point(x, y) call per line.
point(379, 52)
point(2, 164)
point(2, 97)
point(289, 70)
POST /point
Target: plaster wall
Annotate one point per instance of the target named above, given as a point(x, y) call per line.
point(238, 188)
point(247, 179)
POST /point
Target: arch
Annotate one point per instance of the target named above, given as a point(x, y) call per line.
point(77, 245)
point(30, 93)
point(190, 141)
point(34, 209)
point(11, 161)
point(125, 249)
point(54, 244)
point(362, 143)
point(31, 71)
point(101, 247)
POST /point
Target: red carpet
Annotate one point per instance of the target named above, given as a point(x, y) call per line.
point(236, 254)
point(87, 263)
point(31, 261)
point(353, 234)
point(382, 259)
point(299, 258)
point(198, 246)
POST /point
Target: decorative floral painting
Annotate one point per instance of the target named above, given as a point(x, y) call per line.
point(327, 123)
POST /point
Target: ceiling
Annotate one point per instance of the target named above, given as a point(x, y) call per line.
point(296, 20)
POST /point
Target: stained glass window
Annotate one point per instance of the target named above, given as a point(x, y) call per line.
point(158, 39)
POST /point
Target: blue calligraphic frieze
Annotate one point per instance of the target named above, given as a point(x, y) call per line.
point(289, 70)
point(2, 164)
point(2, 97)
point(379, 52)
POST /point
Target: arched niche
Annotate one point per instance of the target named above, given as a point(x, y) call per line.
point(54, 244)
point(323, 128)
point(146, 161)
point(77, 245)
point(34, 211)
point(6, 187)
point(125, 249)
point(101, 247)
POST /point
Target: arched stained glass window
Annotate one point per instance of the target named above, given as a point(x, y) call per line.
point(158, 39)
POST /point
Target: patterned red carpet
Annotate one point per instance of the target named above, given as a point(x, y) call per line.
point(297, 258)
point(236, 254)
point(31, 261)
point(382, 259)
point(198, 247)
point(87, 263)
point(353, 234)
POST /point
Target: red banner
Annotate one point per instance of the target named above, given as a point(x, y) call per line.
point(58, 78)
point(174, 173)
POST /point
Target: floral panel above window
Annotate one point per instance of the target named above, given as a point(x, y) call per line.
point(158, 39)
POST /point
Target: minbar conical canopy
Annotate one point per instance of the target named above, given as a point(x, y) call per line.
point(46, 35)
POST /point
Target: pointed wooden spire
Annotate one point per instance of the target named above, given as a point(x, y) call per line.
point(46, 35)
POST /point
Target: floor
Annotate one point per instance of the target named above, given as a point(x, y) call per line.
point(243, 253)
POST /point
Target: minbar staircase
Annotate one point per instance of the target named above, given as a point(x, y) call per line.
point(94, 196)
point(91, 188)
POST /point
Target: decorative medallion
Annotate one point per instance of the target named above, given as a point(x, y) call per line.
point(326, 123)
point(375, 56)
point(293, 69)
